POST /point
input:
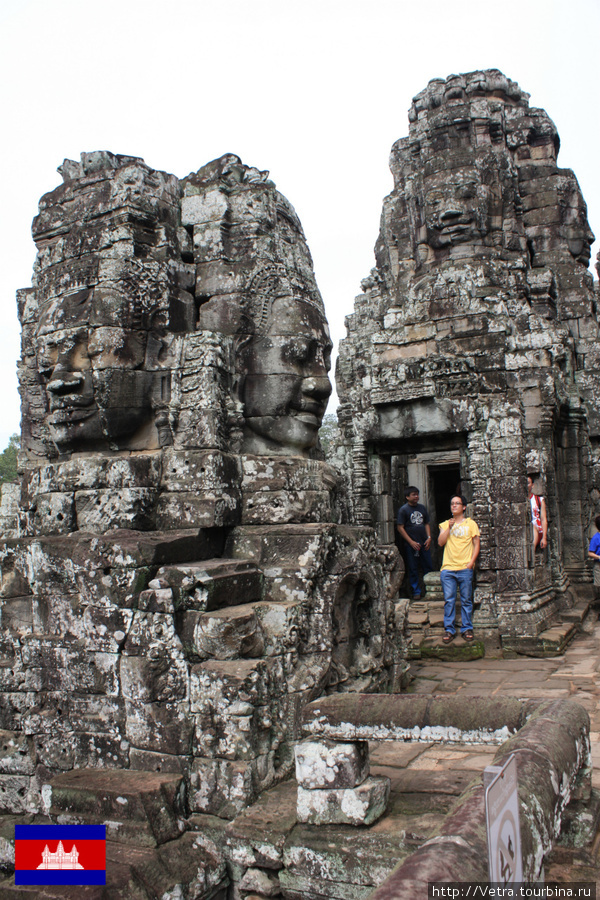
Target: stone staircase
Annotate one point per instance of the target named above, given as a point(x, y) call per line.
point(426, 628)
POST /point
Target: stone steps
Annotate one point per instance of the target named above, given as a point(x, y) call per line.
point(247, 630)
point(578, 614)
point(211, 584)
point(549, 643)
point(143, 809)
point(151, 850)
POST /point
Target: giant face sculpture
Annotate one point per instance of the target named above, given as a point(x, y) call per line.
point(470, 204)
point(285, 386)
point(97, 388)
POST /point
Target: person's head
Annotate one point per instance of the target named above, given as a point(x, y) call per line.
point(458, 505)
point(597, 523)
point(284, 361)
point(411, 495)
point(531, 479)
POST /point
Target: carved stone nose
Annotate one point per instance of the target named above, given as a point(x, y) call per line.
point(320, 387)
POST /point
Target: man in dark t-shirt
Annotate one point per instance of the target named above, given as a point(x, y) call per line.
point(413, 526)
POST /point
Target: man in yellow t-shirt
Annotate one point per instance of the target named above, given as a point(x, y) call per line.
point(459, 536)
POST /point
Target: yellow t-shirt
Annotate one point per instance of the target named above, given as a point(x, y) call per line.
point(458, 549)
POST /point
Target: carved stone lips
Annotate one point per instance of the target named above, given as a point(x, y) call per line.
point(310, 412)
point(309, 418)
point(71, 414)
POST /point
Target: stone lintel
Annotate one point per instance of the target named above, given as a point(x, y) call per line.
point(351, 717)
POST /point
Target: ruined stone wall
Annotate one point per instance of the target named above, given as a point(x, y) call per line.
point(476, 336)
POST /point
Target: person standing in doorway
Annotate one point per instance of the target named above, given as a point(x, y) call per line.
point(539, 517)
point(594, 553)
point(413, 527)
point(459, 536)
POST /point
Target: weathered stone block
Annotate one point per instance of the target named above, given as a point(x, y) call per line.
point(100, 472)
point(261, 883)
point(139, 808)
point(147, 680)
point(362, 805)
point(280, 625)
point(327, 764)
point(202, 469)
point(15, 794)
point(101, 510)
point(257, 836)
point(223, 682)
point(201, 208)
point(237, 732)
point(165, 724)
point(223, 787)
point(17, 755)
point(281, 507)
point(157, 600)
point(55, 513)
point(223, 634)
point(198, 509)
point(214, 584)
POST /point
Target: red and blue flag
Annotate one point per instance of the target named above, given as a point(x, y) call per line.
point(60, 854)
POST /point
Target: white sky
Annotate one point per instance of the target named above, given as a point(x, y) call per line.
point(316, 91)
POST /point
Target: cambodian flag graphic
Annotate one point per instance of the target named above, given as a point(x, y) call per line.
point(60, 854)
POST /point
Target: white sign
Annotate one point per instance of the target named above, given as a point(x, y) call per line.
point(503, 831)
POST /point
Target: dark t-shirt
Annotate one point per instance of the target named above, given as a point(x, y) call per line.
point(414, 519)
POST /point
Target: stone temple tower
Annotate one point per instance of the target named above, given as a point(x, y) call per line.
point(472, 356)
point(175, 587)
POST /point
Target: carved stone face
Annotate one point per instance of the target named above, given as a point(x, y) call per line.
point(286, 387)
point(97, 391)
point(453, 210)
point(576, 228)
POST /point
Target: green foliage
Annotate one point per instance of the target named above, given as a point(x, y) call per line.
point(8, 460)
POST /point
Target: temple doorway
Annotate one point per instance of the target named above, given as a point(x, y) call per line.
point(438, 477)
point(445, 482)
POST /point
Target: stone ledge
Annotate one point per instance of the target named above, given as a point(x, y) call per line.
point(549, 643)
point(353, 717)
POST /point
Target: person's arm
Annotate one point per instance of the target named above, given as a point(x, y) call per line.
point(409, 540)
point(476, 548)
point(445, 534)
point(427, 543)
point(544, 521)
point(593, 555)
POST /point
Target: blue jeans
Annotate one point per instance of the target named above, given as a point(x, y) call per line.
point(412, 563)
point(452, 583)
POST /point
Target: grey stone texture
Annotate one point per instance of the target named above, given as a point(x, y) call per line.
point(174, 586)
point(550, 741)
point(360, 805)
point(182, 573)
point(473, 349)
point(327, 764)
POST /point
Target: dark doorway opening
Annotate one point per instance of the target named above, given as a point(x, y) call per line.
point(445, 482)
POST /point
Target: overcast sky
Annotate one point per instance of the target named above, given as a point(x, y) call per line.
point(316, 91)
